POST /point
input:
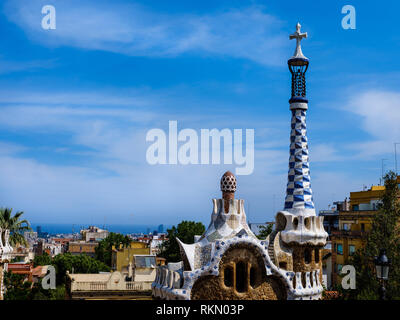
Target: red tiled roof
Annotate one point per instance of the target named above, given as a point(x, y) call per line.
point(20, 268)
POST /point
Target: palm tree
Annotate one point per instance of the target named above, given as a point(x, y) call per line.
point(15, 225)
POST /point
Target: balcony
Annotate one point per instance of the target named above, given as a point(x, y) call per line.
point(106, 285)
point(89, 286)
point(349, 234)
point(328, 213)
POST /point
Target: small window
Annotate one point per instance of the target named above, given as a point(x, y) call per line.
point(295, 223)
point(339, 268)
point(253, 276)
point(362, 227)
point(241, 277)
point(339, 248)
point(307, 255)
point(303, 279)
point(316, 255)
point(283, 265)
point(145, 262)
point(228, 277)
point(352, 250)
point(307, 223)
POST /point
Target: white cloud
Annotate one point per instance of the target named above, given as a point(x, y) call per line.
point(130, 29)
point(110, 176)
point(7, 66)
point(325, 153)
point(379, 116)
point(7, 148)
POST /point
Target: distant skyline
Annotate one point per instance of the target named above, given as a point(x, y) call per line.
point(76, 103)
point(119, 228)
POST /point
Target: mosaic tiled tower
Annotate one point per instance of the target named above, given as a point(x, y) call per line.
point(298, 193)
point(228, 261)
point(299, 199)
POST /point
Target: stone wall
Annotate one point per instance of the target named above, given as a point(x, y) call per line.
point(300, 263)
point(250, 283)
point(283, 254)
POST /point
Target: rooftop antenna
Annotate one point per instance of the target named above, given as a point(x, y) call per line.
point(383, 166)
point(395, 156)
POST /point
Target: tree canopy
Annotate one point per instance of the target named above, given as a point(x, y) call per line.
point(16, 287)
point(16, 226)
point(72, 263)
point(385, 234)
point(77, 264)
point(42, 260)
point(185, 231)
point(264, 232)
point(103, 251)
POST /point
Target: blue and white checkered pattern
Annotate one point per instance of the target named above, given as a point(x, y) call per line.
point(298, 192)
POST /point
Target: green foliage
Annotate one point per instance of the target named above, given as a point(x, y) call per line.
point(16, 226)
point(42, 260)
point(103, 251)
point(264, 232)
point(385, 234)
point(78, 264)
point(185, 231)
point(16, 287)
point(38, 293)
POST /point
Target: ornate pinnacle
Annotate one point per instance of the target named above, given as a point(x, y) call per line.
point(298, 36)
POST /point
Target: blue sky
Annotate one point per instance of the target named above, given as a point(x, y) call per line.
point(76, 103)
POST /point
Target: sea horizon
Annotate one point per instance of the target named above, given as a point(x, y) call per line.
point(67, 228)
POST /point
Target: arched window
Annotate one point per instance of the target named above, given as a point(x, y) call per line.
point(316, 255)
point(228, 276)
point(283, 265)
point(253, 276)
point(307, 255)
point(241, 277)
point(295, 223)
point(303, 279)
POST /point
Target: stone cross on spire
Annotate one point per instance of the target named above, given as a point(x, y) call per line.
point(298, 36)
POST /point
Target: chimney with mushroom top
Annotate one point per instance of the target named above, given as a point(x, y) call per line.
point(228, 188)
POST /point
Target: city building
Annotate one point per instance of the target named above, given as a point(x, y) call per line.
point(81, 247)
point(123, 256)
point(40, 233)
point(38, 273)
point(354, 225)
point(331, 216)
point(63, 243)
point(105, 286)
point(228, 261)
point(31, 237)
point(22, 268)
point(22, 254)
point(143, 268)
point(156, 242)
point(93, 234)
